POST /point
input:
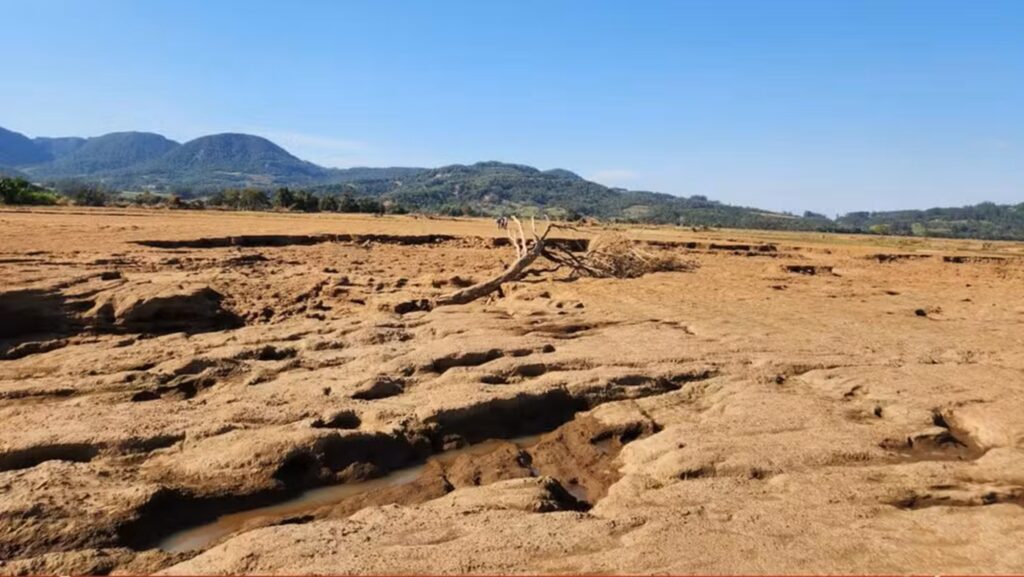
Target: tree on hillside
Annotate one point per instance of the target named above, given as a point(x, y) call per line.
point(348, 204)
point(328, 204)
point(306, 201)
point(370, 206)
point(85, 194)
point(253, 199)
point(283, 198)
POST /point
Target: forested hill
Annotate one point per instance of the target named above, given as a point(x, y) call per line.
point(102, 155)
point(985, 220)
point(501, 188)
point(204, 168)
point(498, 188)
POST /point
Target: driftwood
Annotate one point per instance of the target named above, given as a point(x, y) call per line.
point(525, 255)
point(613, 256)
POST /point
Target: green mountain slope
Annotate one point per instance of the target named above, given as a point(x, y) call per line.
point(501, 188)
point(18, 150)
point(59, 147)
point(365, 174)
point(224, 160)
point(105, 154)
point(6, 172)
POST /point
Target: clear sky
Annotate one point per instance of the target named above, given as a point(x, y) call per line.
point(826, 105)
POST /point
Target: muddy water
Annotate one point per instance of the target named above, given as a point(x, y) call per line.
point(203, 536)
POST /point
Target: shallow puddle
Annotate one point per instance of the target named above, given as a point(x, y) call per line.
point(203, 536)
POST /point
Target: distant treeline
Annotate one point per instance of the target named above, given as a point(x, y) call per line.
point(18, 191)
point(984, 221)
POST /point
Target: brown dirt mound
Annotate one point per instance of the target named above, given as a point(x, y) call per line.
point(162, 307)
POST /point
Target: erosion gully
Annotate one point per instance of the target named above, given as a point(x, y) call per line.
point(561, 441)
point(203, 536)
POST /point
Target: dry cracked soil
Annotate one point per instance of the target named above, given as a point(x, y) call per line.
point(209, 393)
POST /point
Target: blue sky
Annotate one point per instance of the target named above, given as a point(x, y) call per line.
point(822, 105)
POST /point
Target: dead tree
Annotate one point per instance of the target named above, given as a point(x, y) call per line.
point(613, 256)
point(526, 253)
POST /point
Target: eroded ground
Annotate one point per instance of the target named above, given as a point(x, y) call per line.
point(797, 403)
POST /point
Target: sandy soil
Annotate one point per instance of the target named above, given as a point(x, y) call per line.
point(798, 403)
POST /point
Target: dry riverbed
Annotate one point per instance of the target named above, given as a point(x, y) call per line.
point(197, 393)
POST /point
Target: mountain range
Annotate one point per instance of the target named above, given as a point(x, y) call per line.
point(143, 160)
point(140, 161)
point(135, 161)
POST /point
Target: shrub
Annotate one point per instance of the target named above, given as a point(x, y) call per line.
point(20, 191)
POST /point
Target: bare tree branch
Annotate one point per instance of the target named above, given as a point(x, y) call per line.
point(525, 257)
point(612, 256)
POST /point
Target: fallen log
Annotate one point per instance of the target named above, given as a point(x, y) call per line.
point(525, 257)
